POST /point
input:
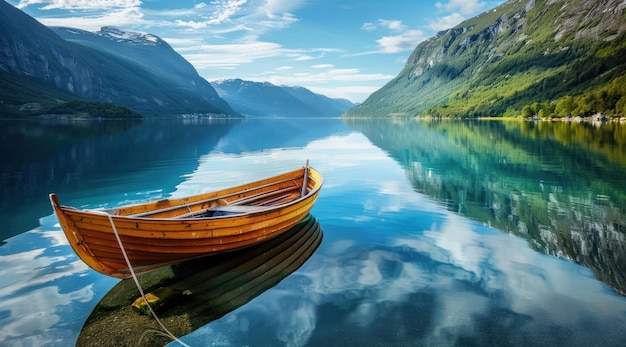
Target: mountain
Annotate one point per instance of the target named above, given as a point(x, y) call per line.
point(550, 57)
point(265, 99)
point(40, 65)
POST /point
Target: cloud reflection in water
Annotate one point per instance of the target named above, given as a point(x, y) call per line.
point(40, 301)
point(395, 268)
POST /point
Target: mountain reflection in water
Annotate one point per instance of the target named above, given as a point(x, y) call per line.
point(559, 184)
point(83, 158)
point(198, 291)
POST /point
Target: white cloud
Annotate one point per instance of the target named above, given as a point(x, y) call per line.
point(272, 15)
point(279, 6)
point(447, 22)
point(303, 57)
point(406, 41)
point(220, 12)
point(459, 10)
point(125, 17)
point(369, 26)
point(322, 66)
point(229, 55)
point(465, 7)
point(208, 56)
point(192, 24)
point(393, 25)
point(235, 15)
point(80, 4)
point(224, 10)
point(186, 41)
point(273, 21)
point(333, 75)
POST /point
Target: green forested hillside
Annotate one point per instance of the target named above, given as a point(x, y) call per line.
point(523, 58)
point(85, 108)
point(22, 96)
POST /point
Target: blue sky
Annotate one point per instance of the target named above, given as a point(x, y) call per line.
point(339, 48)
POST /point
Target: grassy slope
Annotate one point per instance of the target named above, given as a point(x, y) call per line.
point(499, 73)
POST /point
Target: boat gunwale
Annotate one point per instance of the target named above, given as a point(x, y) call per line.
point(265, 210)
point(195, 227)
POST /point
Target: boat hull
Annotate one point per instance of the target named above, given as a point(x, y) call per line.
point(195, 293)
point(162, 233)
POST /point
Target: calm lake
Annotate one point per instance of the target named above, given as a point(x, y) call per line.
point(428, 233)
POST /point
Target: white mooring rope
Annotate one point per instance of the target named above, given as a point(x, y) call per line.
point(143, 295)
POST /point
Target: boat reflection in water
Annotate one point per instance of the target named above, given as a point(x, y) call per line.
point(191, 294)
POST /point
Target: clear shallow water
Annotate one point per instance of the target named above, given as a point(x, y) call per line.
point(433, 234)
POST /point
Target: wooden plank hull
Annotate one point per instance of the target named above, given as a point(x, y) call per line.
point(165, 232)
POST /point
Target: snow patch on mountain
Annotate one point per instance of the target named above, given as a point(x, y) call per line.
point(131, 37)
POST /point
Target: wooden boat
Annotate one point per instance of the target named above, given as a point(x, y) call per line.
point(152, 235)
point(194, 293)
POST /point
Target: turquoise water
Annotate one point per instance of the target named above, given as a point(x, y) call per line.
point(435, 234)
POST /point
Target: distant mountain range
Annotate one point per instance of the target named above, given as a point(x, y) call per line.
point(41, 67)
point(265, 99)
point(524, 57)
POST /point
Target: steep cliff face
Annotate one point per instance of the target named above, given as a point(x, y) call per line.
point(502, 56)
point(28, 48)
point(136, 70)
point(150, 53)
